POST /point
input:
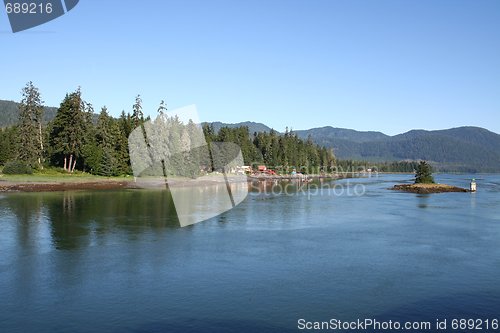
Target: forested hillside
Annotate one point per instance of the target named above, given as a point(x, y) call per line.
point(470, 149)
point(76, 138)
point(329, 134)
point(252, 126)
point(9, 113)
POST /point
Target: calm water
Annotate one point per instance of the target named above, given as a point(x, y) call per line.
point(119, 262)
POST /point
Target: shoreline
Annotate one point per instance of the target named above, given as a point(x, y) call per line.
point(54, 184)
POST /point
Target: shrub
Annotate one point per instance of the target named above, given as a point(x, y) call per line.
point(16, 168)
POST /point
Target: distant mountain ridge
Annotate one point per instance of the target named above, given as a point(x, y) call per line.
point(334, 133)
point(461, 149)
point(252, 126)
point(9, 113)
point(466, 149)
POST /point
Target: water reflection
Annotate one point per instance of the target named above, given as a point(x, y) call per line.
point(77, 219)
point(473, 200)
point(73, 217)
point(423, 200)
point(28, 212)
point(197, 202)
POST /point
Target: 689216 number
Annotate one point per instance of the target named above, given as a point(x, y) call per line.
point(475, 324)
point(28, 8)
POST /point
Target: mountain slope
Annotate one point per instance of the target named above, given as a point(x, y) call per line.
point(329, 133)
point(459, 149)
point(9, 113)
point(252, 126)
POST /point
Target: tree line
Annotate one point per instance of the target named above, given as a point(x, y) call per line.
point(79, 139)
point(76, 139)
point(282, 152)
point(387, 166)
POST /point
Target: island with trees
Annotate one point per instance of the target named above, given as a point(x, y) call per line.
point(424, 182)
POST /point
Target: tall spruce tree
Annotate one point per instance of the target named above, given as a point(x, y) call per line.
point(125, 123)
point(30, 127)
point(69, 130)
point(107, 138)
point(162, 109)
point(124, 128)
point(137, 114)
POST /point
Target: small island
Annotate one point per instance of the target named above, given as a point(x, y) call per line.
point(425, 184)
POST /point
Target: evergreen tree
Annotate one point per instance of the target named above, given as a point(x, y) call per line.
point(69, 130)
point(30, 126)
point(107, 138)
point(125, 128)
point(209, 132)
point(137, 114)
point(8, 144)
point(104, 129)
point(424, 174)
point(106, 151)
point(125, 123)
point(162, 109)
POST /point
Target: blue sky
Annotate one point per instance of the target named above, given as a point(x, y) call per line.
point(389, 66)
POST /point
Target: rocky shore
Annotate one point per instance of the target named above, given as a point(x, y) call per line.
point(428, 188)
point(62, 186)
point(109, 184)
